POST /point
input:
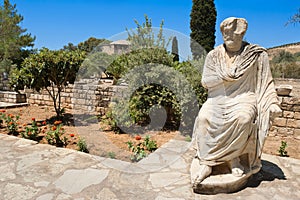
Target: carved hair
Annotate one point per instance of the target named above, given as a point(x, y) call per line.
point(238, 25)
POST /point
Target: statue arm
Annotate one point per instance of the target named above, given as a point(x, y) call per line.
point(210, 79)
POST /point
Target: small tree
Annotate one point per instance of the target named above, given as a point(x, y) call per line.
point(49, 70)
point(175, 51)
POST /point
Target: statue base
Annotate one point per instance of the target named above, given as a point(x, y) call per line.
point(220, 181)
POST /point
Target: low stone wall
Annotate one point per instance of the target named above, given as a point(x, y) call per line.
point(288, 124)
point(82, 97)
point(12, 97)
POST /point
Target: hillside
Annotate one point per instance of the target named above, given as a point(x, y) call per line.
point(292, 48)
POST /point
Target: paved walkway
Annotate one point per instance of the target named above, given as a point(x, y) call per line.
point(42, 172)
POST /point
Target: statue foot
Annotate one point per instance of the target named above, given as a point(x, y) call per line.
point(236, 168)
point(203, 173)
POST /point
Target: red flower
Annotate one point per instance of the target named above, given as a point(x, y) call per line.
point(138, 137)
point(29, 133)
point(53, 128)
point(57, 122)
point(10, 123)
point(44, 123)
point(11, 116)
point(72, 135)
point(3, 111)
point(33, 119)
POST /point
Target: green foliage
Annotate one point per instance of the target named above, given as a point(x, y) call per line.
point(145, 37)
point(14, 41)
point(54, 136)
point(87, 46)
point(91, 44)
point(82, 146)
point(285, 65)
point(203, 26)
point(192, 73)
point(282, 149)
point(150, 145)
point(188, 138)
point(138, 151)
point(94, 64)
point(111, 155)
point(49, 70)
point(139, 148)
point(109, 120)
point(152, 85)
point(175, 51)
point(31, 132)
point(11, 122)
point(154, 78)
point(122, 64)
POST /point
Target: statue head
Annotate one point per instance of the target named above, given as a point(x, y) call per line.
point(233, 30)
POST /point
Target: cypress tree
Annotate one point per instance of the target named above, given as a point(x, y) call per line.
point(203, 26)
point(175, 49)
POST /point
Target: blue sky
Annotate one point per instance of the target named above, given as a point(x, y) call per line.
point(55, 23)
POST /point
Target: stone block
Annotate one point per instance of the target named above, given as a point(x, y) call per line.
point(288, 114)
point(293, 123)
point(291, 100)
point(68, 100)
point(296, 108)
point(297, 133)
point(281, 122)
point(297, 115)
point(282, 131)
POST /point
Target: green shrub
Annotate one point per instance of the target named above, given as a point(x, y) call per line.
point(82, 146)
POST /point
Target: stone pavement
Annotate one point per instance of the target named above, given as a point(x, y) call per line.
point(43, 172)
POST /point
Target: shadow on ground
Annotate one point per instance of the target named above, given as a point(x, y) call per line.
point(268, 172)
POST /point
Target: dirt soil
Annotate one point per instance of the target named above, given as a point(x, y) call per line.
point(109, 144)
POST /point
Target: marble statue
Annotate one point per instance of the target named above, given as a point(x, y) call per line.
point(232, 124)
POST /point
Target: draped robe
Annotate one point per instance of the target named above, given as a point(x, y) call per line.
point(235, 118)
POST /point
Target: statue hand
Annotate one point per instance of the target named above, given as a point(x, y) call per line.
point(275, 111)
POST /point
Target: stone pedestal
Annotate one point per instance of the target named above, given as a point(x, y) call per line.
point(220, 181)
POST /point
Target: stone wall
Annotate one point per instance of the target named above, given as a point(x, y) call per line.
point(82, 97)
point(12, 97)
point(288, 124)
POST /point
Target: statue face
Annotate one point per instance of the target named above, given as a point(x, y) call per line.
point(232, 38)
point(233, 30)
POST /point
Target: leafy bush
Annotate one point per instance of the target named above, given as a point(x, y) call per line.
point(140, 147)
point(282, 149)
point(54, 136)
point(285, 65)
point(31, 132)
point(82, 146)
point(151, 85)
point(11, 122)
